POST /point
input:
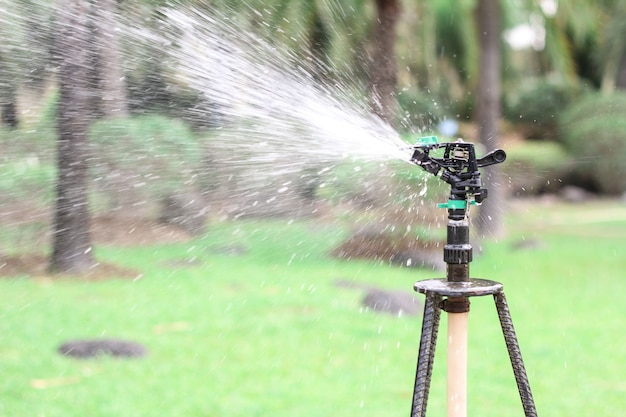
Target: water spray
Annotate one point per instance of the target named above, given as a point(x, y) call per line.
point(456, 164)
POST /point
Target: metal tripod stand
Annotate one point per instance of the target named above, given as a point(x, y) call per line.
point(458, 166)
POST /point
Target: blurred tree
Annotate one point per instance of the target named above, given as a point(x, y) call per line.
point(8, 95)
point(26, 32)
point(612, 54)
point(571, 36)
point(110, 74)
point(586, 40)
point(382, 66)
point(71, 246)
point(8, 68)
point(490, 220)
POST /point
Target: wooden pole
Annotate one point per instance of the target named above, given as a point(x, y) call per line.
point(457, 364)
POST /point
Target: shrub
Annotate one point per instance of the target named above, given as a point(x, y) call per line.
point(536, 167)
point(536, 108)
point(27, 165)
point(594, 132)
point(142, 158)
point(419, 112)
point(23, 176)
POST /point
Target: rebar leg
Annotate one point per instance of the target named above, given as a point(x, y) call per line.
point(428, 342)
point(515, 355)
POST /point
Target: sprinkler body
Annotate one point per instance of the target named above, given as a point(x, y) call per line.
point(456, 164)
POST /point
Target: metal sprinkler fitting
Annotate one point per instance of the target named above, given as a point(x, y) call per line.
point(458, 167)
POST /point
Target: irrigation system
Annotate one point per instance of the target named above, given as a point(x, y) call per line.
point(457, 165)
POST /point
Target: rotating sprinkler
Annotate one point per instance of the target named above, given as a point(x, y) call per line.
point(456, 164)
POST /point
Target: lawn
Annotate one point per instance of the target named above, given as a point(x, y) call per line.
point(248, 320)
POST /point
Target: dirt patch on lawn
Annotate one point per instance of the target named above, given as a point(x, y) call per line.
point(387, 247)
point(36, 266)
point(128, 231)
point(33, 231)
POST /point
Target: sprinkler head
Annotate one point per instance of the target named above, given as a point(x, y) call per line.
point(458, 166)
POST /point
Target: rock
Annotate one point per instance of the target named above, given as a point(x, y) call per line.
point(419, 258)
point(382, 245)
point(527, 244)
point(233, 250)
point(398, 303)
point(91, 348)
point(574, 194)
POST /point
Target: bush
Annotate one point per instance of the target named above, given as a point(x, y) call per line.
point(24, 176)
point(536, 167)
point(419, 112)
point(140, 159)
point(536, 108)
point(594, 132)
point(27, 165)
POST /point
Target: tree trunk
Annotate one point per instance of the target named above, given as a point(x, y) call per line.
point(621, 73)
point(318, 47)
point(382, 67)
point(110, 73)
point(71, 252)
point(8, 95)
point(8, 111)
point(490, 219)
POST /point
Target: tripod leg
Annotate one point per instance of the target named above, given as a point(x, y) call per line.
point(515, 355)
point(428, 342)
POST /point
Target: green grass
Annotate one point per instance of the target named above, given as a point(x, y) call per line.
point(267, 333)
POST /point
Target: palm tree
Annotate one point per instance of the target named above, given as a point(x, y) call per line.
point(612, 55)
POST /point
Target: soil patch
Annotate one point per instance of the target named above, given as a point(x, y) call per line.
point(397, 303)
point(129, 231)
point(93, 348)
point(113, 230)
point(36, 266)
point(397, 250)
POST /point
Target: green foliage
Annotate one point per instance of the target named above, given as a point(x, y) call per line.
point(594, 132)
point(26, 176)
point(534, 167)
point(536, 107)
point(419, 111)
point(47, 120)
point(456, 35)
point(363, 183)
point(381, 186)
point(27, 164)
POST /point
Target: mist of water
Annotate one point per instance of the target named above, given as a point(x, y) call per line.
point(268, 98)
point(270, 114)
point(273, 122)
